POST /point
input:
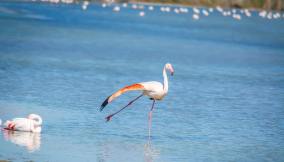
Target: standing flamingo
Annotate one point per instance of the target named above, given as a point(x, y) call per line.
point(154, 90)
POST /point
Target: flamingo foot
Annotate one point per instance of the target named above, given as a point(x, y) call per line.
point(108, 117)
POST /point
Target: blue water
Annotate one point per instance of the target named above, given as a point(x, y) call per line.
point(225, 101)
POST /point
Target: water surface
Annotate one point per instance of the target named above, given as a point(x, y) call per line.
point(225, 102)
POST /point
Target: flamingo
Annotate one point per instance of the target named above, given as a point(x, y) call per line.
point(205, 12)
point(195, 16)
point(142, 13)
point(153, 89)
point(85, 5)
point(30, 124)
point(116, 9)
point(151, 8)
point(104, 5)
point(196, 10)
point(124, 5)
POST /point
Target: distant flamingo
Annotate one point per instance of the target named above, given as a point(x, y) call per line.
point(30, 124)
point(154, 90)
point(142, 13)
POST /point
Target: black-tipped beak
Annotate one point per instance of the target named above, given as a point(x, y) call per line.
point(172, 73)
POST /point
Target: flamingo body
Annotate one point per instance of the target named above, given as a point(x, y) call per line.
point(153, 90)
point(30, 124)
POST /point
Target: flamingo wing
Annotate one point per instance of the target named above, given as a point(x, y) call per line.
point(133, 87)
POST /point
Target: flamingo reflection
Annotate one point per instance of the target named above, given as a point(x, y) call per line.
point(25, 139)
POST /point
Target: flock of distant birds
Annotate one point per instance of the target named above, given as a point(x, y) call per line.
point(197, 12)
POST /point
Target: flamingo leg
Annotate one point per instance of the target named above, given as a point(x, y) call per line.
point(111, 115)
point(150, 120)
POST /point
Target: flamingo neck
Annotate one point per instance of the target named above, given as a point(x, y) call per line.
point(37, 119)
point(38, 122)
point(166, 85)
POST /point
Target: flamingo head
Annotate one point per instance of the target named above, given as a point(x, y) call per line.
point(36, 118)
point(169, 67)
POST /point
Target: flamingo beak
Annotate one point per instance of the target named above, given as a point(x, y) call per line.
point(170, 68)
point(172, 72)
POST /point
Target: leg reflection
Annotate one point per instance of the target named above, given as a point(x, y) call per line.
point(150, 152)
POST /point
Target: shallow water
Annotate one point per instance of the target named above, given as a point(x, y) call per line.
point(225, 102)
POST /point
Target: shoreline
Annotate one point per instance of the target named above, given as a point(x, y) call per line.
point(187, 5)
point(203, 5)
point(154, 4)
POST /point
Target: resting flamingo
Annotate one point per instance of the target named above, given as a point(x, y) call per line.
point(153, 89)
point(30, 124)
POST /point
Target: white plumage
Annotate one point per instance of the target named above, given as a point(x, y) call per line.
point(154, 90)
point(30, 124)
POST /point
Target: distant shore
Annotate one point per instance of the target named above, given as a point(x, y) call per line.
point(242, 4)
point(255, 4)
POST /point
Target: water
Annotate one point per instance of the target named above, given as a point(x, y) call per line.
point(225, 102)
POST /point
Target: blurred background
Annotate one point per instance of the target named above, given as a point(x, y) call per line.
point(261, 4)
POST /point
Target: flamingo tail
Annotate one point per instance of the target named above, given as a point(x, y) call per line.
point(132, 87)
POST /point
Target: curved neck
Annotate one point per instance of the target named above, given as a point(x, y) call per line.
point(166, 85)
point(37, 119)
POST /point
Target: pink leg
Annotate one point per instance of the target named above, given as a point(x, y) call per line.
point(111, 115)
point(150, 120)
